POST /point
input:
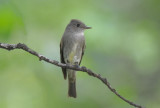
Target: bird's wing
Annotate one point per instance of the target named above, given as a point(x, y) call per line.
point(62, 59)
point(83, 49)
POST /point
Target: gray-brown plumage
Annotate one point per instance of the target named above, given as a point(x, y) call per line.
point(72, 48)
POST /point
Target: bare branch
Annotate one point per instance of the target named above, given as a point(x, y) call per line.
point(77, 68)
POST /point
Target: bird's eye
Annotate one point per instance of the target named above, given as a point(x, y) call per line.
point(78, 25)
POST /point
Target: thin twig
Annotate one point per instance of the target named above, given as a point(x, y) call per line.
point(83, 69)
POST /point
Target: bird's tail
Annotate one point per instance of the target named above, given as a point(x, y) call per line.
point(72, 89)
point(71, 83)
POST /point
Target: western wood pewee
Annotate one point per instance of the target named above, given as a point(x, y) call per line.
point(72, 48)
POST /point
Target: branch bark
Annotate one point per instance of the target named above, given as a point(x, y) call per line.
point(77, 68)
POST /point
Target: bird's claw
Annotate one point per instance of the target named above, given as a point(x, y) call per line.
point(76, 65)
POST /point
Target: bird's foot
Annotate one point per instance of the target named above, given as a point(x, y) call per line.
point(76, 64)
point(68, 64)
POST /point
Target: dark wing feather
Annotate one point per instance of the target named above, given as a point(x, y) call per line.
point(62, 59)
point(83, 48)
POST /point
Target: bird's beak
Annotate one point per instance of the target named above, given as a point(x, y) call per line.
point(88, 27)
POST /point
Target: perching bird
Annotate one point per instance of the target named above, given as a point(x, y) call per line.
point(72, 48)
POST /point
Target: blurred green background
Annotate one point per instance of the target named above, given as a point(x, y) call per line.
point(123, 46)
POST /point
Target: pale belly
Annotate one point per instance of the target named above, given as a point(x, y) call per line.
point(73, 54)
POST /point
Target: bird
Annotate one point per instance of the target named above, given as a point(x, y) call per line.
point(72, 47)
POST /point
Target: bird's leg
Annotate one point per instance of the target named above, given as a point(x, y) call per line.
point(76, 62)
point(68, 64)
